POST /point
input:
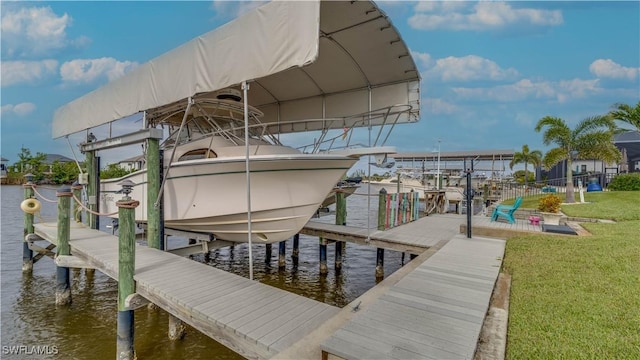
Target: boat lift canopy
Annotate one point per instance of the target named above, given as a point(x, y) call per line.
point(311, 65)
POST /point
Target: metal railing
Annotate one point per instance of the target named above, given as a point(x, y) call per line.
point(501, 190)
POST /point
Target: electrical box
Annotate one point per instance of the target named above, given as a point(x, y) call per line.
point(83, 179)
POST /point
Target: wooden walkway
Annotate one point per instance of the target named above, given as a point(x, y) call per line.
point(413, 237)
point(434, 312)
point(253, 319)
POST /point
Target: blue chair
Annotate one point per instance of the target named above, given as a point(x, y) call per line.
point(506, 211)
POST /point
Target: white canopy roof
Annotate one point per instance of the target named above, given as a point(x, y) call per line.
point(305, 60)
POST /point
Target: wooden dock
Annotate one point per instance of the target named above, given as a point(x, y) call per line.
point(432, 308)
point(413, 237)
point(253, 319)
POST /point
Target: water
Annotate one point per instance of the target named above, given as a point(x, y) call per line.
point(87, 328)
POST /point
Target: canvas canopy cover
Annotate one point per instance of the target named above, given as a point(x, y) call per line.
point(336, 61)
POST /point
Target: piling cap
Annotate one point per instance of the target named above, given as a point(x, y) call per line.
point(127, 187)
point(29, 177)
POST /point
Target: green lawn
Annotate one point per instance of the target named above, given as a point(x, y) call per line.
point(578, 297)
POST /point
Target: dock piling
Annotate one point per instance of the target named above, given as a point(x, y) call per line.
point(267, 253)
point(77, 210)
point(126, 268)
point(27, 254)
point(296, 246)
point(154, 170)
point(295, 253)
point(63, 278)
point(341, 219)
point(382, 209)
point(323, 257)
point(380, 263)
point(282, 248)
point(177, 328)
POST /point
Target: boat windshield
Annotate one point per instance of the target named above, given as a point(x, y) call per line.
point(207, 117)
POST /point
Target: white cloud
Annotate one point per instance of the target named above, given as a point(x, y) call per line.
point(89, 70)
point(469, 68)
point(21, 109)
point(609, 69)
point(439, 106)
point(34, 31)
point(424, 60)
point(27, 72)
point(479, 16)
point(526, 89)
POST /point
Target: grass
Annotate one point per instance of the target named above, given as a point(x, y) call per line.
point(614, 205)
point(578, 297)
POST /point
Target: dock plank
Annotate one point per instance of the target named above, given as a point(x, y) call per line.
point(229, 308)
point(434, 312)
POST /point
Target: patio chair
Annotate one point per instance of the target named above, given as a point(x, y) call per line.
point(506, 211)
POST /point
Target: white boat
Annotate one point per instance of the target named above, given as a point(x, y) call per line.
point(205, 190)
point(345, 187)
point(305, 66)
point(391, 186)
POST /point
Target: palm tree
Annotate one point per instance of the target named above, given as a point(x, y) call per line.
point(626, 113)
point(527, 157)
point(592, 138)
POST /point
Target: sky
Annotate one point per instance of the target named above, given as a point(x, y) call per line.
point(490, 70)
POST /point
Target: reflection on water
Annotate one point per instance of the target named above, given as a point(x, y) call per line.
point(87, 328)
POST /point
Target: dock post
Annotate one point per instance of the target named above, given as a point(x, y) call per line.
point(296, 246)
point(177, 329)
point(63, 278)
point(380, 263)
point(323, 257)
point(267, 253)
point(295, 253)
point(77, 212)
point(341, 219)
point(126, 270)
point(153, 194)
point(282, 249)
point(93, 170)
point(27, 254)
point(382, 209)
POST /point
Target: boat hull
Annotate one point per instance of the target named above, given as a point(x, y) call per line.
point(210, 195)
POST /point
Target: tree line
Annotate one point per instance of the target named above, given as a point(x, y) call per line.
point(55, 173)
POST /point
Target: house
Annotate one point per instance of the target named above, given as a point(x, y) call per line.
point(52, 158)
point(132, 164)
point(628, 143)
point(3, 171)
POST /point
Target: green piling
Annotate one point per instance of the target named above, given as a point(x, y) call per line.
point(63, 286)
point(154, 169)
point(92, 219)
point(77, 212)
point(126, 269)
point(27, 254)
point(382, 209)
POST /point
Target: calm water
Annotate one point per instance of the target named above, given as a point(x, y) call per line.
point(87, 328)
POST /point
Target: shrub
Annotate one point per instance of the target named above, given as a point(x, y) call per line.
point(550, 203)
point(625, 182)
